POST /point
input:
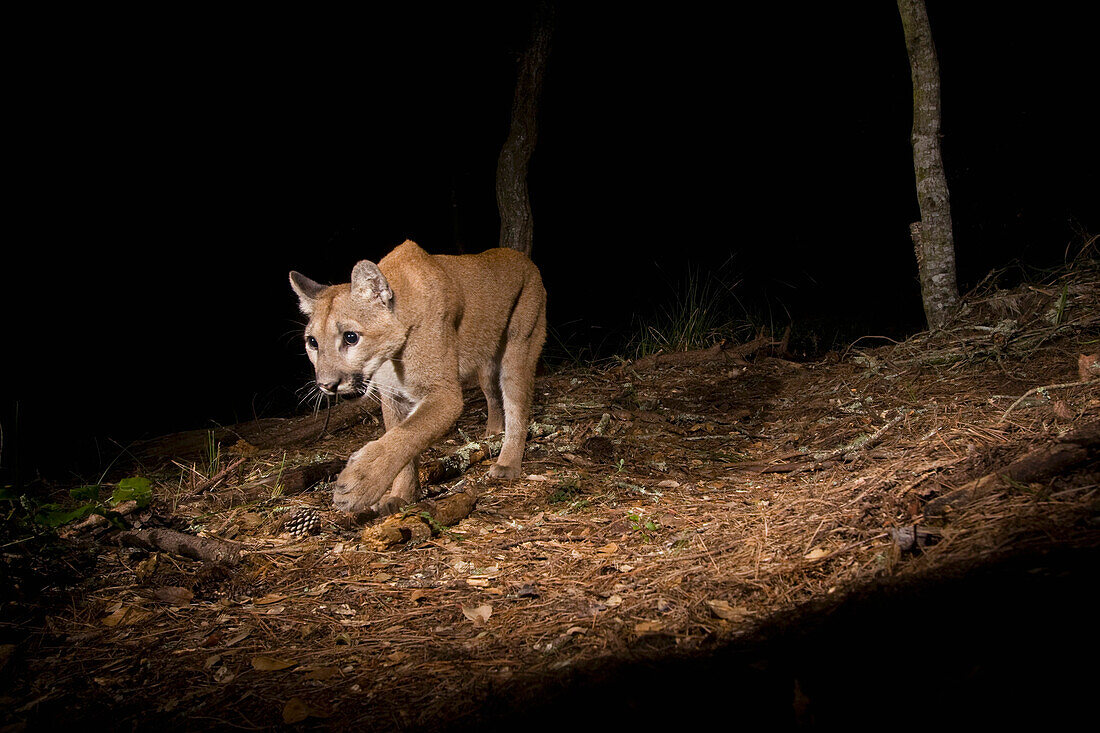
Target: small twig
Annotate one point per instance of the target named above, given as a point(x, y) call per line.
point(206, 549)
point(217, 478)
point(543, 538)
point(1044, 388)
point(864, 442)
point(98, 521)
point(852, 546)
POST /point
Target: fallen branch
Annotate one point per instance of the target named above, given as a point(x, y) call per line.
point(216, 479)
point(473, 453)
point(423, 520)
point(272, 432)
point(735, 354)
point(286, 483)
point(459, 462)
point(863, 442)
point(1072, 449)
point(206, 549)
point(94, 522)
point(298, 479)
point(1044, 388)
point(846, 452)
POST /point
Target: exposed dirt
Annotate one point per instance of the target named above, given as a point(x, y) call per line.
point(741, 539)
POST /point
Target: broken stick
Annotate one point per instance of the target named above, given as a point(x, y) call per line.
point(206, 549)
point(734, 354)
point(424, 520)
point(460, 461)
point(1072, 449)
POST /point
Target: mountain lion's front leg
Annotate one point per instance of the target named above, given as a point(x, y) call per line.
point(372, 469)
point(407, 484)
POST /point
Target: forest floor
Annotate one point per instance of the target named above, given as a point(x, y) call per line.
point(671, 512)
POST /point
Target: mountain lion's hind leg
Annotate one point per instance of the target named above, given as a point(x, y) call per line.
point(489, 379)
point(517, 381)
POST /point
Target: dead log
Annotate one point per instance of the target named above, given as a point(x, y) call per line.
point(1072, 449)
point(457, 463)
point(273, 432)
point(287, 483)
point(423, 520)
point(298, 479)
point(205, 549)
point(718, 352)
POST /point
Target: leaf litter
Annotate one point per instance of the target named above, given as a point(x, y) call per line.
point(714, 498)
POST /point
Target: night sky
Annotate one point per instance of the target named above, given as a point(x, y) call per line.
point(171, 168)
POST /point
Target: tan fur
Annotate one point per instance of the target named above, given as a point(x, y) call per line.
point(426, 325)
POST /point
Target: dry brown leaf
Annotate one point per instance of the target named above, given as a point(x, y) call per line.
point(296, 710)
point(320, 673)
point(174, 595)
point(126, 616)
point(269, 598)
point(1088, 366)
point(396, 657)
point(723, 610)
point(648, 627)
point(478, 615)
point(816, 554)
point(609, 549)
point(271, 664)
point(417, 595)
point(146, 567)
point(239, 636)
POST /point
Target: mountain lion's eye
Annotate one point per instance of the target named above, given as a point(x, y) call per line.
point(311, 343)
point(351, 338)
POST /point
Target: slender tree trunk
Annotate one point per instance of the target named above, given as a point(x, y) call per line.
point(933, 237)
point(513, 201)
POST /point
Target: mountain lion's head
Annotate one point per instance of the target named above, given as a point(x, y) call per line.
point(352, 329)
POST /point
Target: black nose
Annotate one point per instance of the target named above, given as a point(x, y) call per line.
point(329, 387)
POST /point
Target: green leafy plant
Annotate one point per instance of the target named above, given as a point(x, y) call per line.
point(567, 490)
point(52, 515)
point(641, 524)
point(136, 488)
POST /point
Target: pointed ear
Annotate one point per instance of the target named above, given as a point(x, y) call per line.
point(369, 284)
point(307, 291)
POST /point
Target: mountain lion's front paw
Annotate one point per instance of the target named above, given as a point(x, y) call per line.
point(391, 505)
point(505, 472)
point(362, 482)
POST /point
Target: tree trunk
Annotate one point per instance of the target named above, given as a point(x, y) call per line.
point(933, 238)
point(513, 201)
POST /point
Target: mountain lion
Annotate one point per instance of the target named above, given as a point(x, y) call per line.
point(416, 328)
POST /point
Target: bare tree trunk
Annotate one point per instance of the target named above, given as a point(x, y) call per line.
point(513, 201)
point(933, 238)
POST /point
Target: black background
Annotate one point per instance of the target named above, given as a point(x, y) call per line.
point(168, 169)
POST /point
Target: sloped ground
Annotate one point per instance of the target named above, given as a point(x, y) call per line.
point(667, 513)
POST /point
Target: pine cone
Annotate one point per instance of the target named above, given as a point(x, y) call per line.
point(303, 521)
